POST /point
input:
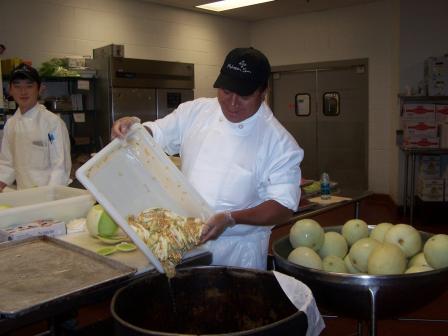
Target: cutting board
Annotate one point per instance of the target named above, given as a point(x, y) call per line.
point(135, 259)
point(331, 200)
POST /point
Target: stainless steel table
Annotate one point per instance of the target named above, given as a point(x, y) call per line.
point(355, 197)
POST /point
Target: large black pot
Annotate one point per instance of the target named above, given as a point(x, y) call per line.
point(207, 301)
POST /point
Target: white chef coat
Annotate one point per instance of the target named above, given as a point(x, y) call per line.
point(35, 150)
point(234, 166)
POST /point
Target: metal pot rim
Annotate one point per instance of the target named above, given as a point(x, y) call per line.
point(206, 268)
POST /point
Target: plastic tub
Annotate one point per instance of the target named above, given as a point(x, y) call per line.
point(131, 175)
point(48, 202)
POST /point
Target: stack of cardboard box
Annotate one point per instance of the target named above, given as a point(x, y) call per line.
point(420, 129)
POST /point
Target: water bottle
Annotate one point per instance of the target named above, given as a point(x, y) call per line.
point(325, 192)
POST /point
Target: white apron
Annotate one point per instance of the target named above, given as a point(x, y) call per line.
point(223, 170)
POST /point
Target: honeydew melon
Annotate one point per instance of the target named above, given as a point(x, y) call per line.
point(335, 264)
point(107, 250)
point(99, 223)
point(354, 229)
point(350, 268)
point(334, 245)
point(418, 260)
point(380, 230)
point(307, 232)
point(386, 258)
point(360, 252)
point(305, 256)
point(418, 269)
point(406, 237)
point(436, 251)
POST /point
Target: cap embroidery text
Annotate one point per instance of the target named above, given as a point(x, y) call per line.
point(242, 67)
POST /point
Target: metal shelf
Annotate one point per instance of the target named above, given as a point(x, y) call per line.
point(422, 98)
point(411, 155)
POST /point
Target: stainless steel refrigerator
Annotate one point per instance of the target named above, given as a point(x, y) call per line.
point(147, 89)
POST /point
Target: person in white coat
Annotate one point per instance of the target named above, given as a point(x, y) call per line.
point(238, 156)
point(35, 148)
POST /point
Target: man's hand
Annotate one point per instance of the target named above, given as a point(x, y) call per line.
point(2, 186)
point(216, 225)
point(121, 126)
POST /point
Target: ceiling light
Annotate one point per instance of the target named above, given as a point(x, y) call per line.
point(219, 6)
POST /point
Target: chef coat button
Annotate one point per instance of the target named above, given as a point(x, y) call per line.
point(220, 118)
point(240, 126)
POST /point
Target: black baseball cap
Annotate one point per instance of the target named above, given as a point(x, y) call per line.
point(244, 71)
point(25, 71)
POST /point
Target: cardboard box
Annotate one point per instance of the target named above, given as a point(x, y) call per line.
point(111, 50)
point(419, 112)
point(437, 86)
point(443, 131)
point(441, 113)
point(420, 129)
point(436, 66)
point(430, 190)
point(421, 142)
point(76, 62)
point(48, 227)
point(429, 166)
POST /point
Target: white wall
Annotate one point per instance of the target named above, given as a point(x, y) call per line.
point(39, 30)
point(423, 33)
point(365, 31)
point(57, 28)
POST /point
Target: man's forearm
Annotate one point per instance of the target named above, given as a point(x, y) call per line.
point(266, 214)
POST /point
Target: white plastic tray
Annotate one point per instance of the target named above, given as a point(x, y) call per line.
point(47, 202)
point(131, 175)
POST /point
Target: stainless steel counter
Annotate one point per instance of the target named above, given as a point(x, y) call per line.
point(347, 197)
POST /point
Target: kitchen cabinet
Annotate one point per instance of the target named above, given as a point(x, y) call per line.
point(73, 99)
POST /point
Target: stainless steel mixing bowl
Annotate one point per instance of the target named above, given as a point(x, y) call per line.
point(364, 297)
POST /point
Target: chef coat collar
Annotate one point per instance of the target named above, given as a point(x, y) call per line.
point(30, 114)
point(244, 127)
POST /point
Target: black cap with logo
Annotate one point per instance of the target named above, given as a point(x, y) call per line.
point(244, 71)
point(25, 71)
